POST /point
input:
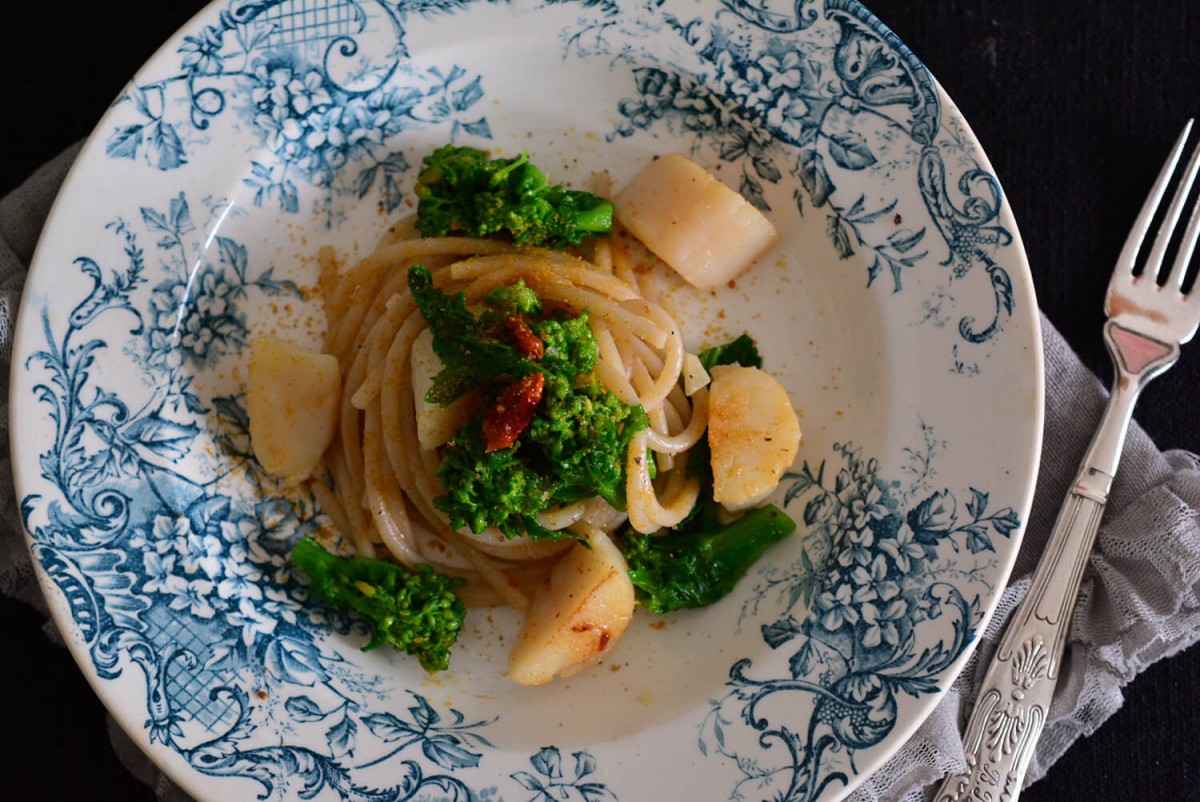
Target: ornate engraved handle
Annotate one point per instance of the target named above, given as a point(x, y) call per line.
point(1015, 695)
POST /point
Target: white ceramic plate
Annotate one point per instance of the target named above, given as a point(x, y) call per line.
point(898, 310)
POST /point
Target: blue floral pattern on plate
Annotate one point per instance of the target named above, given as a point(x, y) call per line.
point(168, 544)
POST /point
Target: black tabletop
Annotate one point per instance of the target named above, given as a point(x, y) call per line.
point(1075, 103)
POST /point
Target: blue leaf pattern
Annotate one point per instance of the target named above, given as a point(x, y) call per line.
point(850, 150)
point(125, 142)
point(302, 708)
point(552, 785)
point(341, 737)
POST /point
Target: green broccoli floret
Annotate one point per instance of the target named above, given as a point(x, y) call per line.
point(460, 191)
point(569, 343)
point(417, 611)
point(583, 433)
point(490, 488)
point(513, 299)
point(695, 569)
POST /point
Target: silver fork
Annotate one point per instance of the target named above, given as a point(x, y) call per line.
point(1147, 322)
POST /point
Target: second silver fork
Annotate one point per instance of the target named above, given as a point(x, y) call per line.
point(1147, 322)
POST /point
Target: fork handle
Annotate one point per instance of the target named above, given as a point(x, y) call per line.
point(1014, 697)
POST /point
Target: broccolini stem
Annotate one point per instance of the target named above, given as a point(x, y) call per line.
point(501, 175)
point(696, 568)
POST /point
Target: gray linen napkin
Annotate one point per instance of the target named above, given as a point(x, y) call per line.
point(1138, 603)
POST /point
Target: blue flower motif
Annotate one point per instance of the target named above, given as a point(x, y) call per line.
point(241, 580)
point(253, 621)
point(170, 531)
point(193, 597)
point(202, 53)
point(197, 337)
point(213, 298)
point(308, 93)
point(200, 552)
point(279, 604)
point(166, 305)
point(873, 579)
point(788, 116)
point(839, 607)
point(727, 67)
point(784, 71)
point(160, 576)
point(902, 548)
point(881, 623)
point(259, 555)
point(328, 146)
point(868, 506)
point(163, 350)
point(269, 89)
point(283, 133)
point(237, 533)
point(859, 549)
point(753, 90)
point(366, 119)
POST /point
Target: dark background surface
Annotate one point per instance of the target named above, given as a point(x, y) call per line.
point(1075, 103)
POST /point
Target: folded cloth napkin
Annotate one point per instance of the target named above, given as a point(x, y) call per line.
point(1138, 602)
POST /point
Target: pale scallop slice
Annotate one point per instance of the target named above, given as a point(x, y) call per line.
point(292, 398)
point(576, 619)
point(436, 424)
point(753, 433)
point(703, 229)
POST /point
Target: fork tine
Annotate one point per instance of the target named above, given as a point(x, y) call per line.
point(1162, 241)
point(1186, 248)
point(1137, 233)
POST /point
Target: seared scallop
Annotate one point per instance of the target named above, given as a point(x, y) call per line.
point(292, 400)
point(703, 229)
point(753, 432)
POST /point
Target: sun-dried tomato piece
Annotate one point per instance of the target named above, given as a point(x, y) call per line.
point(528, 343)
point(513, 411)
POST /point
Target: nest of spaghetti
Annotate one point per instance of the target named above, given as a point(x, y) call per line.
point(529, 423)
